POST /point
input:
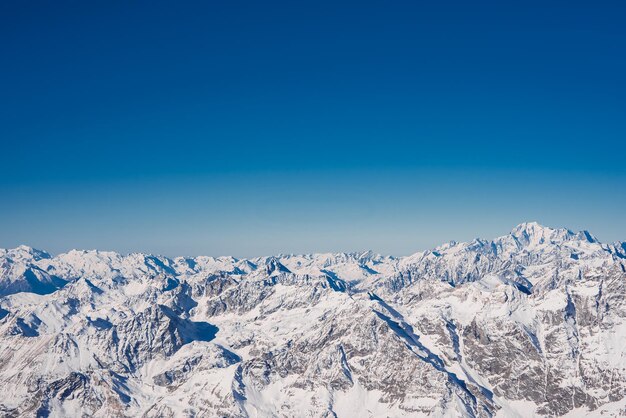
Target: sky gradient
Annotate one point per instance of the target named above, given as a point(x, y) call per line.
point(253, 128)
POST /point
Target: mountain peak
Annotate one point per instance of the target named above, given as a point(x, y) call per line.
point(24, 251)
point(272, 265)
point(530, 227)
point(533, 233)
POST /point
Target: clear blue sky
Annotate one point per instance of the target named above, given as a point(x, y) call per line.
point(252, 128)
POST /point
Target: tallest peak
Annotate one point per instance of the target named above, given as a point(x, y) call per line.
point(535, 233)
point(533, 225)
point(531, 233)
point(531, 228)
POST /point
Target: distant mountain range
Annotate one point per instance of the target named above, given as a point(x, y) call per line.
point(532, 323)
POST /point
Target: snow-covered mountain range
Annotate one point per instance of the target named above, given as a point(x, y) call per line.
point(532, 323)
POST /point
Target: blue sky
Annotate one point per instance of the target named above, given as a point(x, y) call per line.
point(253, 128)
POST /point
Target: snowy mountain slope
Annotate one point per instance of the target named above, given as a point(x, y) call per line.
point(529, 324)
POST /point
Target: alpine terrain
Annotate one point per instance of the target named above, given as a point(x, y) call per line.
point(532, 323)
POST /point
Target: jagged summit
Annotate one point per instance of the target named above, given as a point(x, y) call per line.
point(272, 265)
point(533, 233)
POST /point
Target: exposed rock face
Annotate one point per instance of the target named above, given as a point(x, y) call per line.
point(529, 324)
